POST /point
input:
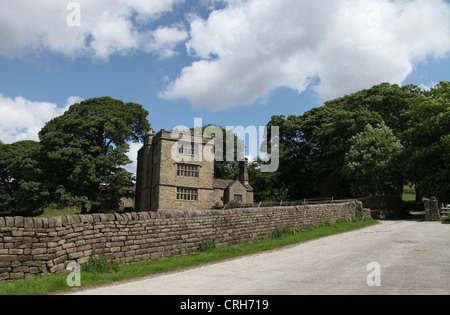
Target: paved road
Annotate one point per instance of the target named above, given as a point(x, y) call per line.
point(414, 258)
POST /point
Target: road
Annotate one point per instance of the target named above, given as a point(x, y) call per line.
point(411, 257)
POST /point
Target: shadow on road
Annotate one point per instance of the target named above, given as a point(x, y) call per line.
point(417, 216)
point(420, 216)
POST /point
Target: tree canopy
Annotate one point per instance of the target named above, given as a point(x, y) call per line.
point(85, 149)
point(315, 145)
point(23, 187)
point(372, 163)
point(427, 140)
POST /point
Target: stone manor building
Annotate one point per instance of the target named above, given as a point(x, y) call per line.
point(165, 184)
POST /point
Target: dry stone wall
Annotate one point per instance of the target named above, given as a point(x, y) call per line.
point(30, 246)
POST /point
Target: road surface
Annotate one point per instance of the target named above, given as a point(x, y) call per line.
point(393, 257)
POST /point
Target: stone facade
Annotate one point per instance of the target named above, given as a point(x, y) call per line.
point(30, 246)
point(187, 183)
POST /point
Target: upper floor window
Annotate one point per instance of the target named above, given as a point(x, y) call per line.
point(188, 148)
point(185, 170)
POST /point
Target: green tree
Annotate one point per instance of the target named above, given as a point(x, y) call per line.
point(372, 163)
point(314, 145)
point(85, 150)
point(23, 188)
point(428, 143)
point(223, 169)
point(266, 186)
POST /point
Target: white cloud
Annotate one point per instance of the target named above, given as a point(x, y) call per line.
point(107, 27)
point(132, 155)
point(252, 47)
point(22, 119)
point(165, 39)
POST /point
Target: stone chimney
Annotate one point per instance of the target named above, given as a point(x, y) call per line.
point(148, 140)
point(243, 173)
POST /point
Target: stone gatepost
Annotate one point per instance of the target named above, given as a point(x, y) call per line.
point(432, 211)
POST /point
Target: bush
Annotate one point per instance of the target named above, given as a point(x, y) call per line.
point(282, 231)
point(206, 245)
point(234, 203)
point(99, 265)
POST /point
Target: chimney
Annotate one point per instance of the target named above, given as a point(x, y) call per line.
point(148, 140)
point(243, 173)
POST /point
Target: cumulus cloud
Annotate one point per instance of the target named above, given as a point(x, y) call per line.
point(251, 47)
point(22, 119)
point(107, 27)
point(165, 39)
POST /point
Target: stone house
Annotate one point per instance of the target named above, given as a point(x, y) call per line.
point(165, 183)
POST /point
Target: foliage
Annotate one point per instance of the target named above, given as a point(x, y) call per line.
point(99, 265)
point(23, 188)
point(372, 163)
point(85, 150)
point(206, 245)
point(282, 231)
point(223, 169)
point(314, 145)
point(428, 143)
point(266, 186)
point(234, 203)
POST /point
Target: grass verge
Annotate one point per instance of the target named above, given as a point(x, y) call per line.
point(40, 285)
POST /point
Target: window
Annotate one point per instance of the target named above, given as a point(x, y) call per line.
point(238, 198)
point(185, 170)
point(188, 148)
point(188, 194)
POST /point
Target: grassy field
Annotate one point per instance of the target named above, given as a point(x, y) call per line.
point(105, 272)
point(409, 193)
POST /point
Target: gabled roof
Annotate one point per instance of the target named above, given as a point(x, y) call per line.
point(222, 183)
point(248, 187)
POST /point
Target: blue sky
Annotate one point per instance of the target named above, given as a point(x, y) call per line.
point(231, 62)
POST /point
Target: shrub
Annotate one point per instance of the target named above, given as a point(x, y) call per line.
point(282, 231)
point(99, 265)
point(206, 245)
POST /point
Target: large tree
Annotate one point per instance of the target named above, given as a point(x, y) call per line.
point(314, 145)
point(85, 149)
point(428, 143)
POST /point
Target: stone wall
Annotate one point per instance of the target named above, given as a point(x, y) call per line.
point(30, 246)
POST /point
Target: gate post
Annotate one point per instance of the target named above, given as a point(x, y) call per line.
point(432, 209)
